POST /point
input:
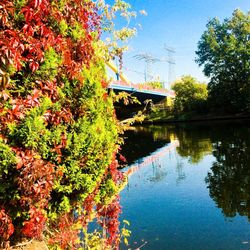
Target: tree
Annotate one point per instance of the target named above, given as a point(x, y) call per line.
point(191, 95)
point(224, 51)
point(153, 84)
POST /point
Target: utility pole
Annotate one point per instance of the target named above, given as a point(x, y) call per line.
point(171, 63)
point(149, 60)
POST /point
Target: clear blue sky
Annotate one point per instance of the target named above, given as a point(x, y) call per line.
point(178, 24)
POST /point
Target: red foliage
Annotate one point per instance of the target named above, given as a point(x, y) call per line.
point(116, 175)
point(108, 215)
point(36, 178)
point(49, 88)
point(6, 226)
point(23, 46)
point(109, 220)
point(32, 100)
point(27, 45)
point(6, 9)
point(66, 235)
point(122, 158)
point(34, 227)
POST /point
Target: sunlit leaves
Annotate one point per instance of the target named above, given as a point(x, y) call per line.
point(57, 126)
point(191, 95)
point(224, 51)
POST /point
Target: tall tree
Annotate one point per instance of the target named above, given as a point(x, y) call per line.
point(224, 51)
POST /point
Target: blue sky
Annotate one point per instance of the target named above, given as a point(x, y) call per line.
point(178, 24)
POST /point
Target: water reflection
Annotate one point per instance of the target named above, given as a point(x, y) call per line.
point(158, 169)
point(140, 142)
point(180, 172)
point(178, 197)
point(159, 173)
point(228, 179)
point(194, 144)
point(194, 140)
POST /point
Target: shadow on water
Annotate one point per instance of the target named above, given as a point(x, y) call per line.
point(219, 154)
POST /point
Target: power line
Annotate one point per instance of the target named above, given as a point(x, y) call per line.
point(149, 60)
point(135, 71)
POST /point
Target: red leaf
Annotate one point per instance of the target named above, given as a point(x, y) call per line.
point(34, 66)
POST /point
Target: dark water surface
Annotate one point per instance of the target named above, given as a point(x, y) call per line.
point(189, 186)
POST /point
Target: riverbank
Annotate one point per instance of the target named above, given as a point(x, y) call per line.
point(193, 118)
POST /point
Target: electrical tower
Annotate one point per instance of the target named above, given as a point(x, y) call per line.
point(149, 60)
point(171, 63)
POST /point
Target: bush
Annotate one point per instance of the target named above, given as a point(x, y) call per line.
point(58, 131)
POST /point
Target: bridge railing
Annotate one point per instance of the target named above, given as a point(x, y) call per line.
point(122, 83)
point(141, 87)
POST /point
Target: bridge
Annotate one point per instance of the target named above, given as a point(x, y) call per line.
point(141, 91)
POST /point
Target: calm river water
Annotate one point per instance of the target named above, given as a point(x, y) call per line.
point(189, 186)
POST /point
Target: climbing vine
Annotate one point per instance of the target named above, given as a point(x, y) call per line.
point(58, 131)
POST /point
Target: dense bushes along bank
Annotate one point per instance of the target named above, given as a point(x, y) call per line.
point(58, 132)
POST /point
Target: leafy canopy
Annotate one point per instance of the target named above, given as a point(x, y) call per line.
point(224, 51)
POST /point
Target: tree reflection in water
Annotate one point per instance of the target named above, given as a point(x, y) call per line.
point(229, 179)
point(229, 142)
point(194, 141)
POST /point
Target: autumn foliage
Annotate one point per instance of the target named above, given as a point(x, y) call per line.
point(57, 127)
